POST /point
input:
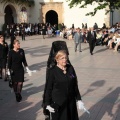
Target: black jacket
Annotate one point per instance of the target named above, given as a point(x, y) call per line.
point(91, 38)
point(3, 50)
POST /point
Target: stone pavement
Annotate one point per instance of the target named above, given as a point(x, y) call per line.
point(98, 80)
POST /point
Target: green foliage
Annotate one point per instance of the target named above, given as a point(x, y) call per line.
point(102, 4)
point(19, 2)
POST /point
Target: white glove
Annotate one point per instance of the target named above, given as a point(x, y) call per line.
point(28, 71)
point(50, 109)
point(8, 72)
point(81, 106)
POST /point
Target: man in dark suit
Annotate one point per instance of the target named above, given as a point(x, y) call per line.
point(91, 37)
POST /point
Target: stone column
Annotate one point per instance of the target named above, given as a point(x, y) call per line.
point(2, 20)
point(107, 18)
point(41, 16)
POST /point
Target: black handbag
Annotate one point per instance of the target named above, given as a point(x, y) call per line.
point(10, 81)
point(55, 106)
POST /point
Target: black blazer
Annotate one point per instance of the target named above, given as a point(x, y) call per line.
point(60, 87)
point(90, 37)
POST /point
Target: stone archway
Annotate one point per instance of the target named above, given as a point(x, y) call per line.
point(51, 17)
point(52, 6)
point(10, 14)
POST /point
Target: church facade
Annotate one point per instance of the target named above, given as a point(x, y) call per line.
point(54, 12)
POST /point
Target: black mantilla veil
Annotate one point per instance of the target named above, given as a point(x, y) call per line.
point(56, 46)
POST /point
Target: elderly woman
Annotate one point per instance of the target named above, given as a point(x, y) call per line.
point(62, 90)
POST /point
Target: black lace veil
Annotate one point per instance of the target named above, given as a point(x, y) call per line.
point(56, 46)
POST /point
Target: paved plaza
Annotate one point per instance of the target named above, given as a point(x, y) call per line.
point(98, 80)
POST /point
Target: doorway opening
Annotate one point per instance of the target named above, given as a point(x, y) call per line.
point(52, 17)
point(10, 14)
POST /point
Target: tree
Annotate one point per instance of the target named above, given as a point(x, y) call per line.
point(102, 4)
point(19, 2)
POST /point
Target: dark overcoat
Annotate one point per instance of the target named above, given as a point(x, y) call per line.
point(62, 93)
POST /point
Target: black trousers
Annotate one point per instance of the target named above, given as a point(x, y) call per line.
point(23, 37)
point(92, 45)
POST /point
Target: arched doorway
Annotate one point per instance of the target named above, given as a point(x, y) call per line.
point(52, 17)
point(10, 14)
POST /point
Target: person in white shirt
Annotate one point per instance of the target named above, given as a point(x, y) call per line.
point(49, 31)
point(28, 30)
point(113, 40)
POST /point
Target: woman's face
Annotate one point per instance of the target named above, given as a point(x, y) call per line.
point(17, 45)
point(62, 60)
point(1, 39)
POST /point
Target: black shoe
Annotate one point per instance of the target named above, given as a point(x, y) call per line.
point(80, 51)
point(17, 97)
point(20, 97)
point(91, 53)
point(5, 79)
point(0, 77)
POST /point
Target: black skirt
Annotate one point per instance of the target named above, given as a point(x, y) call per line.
point(3, 63)
point(18, 75)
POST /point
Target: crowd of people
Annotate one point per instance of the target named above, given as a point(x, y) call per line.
point(28, 29)
point(109, 37)
point(14, 61)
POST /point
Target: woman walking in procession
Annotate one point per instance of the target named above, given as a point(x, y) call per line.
point(16, 59)
point(62, 92)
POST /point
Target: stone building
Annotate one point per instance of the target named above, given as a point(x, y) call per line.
point(54, 12)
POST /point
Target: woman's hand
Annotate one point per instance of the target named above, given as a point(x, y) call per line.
point(29, 71)
point(80, 105)
point(8, 72)
point(50, 109)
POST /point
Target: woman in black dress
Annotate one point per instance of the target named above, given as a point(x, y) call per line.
point(15, 60)
point(3, 57)
point(62, 91)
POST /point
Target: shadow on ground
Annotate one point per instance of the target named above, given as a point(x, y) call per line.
point(105, 105)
